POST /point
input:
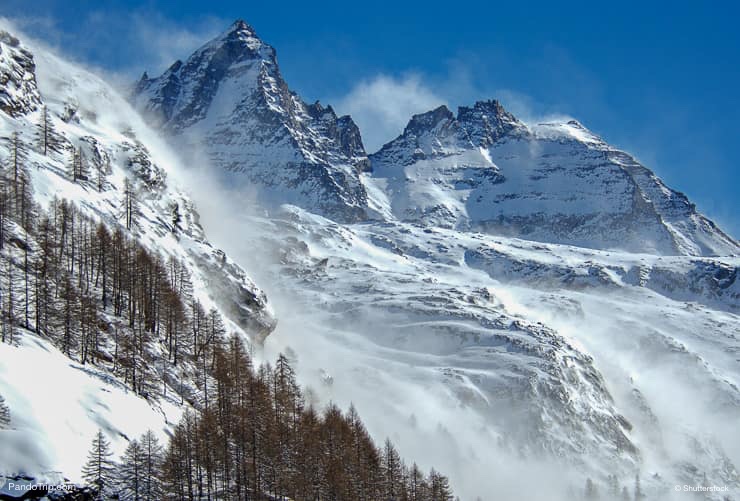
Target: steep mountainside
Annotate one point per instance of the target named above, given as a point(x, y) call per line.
point(230, 101)
point(554, 182)
point(99, 155)
point(503, 359)
point(77, 105)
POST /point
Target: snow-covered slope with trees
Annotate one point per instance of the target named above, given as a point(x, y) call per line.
point(486, 352)
point(502, 360)
point(90, 120)
point(67, 135)
point(119, 317)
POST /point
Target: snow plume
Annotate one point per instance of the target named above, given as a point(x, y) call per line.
point(401, 377)
point(381, 106)
point(122, 44)
point(669, 367)
point(374, 325)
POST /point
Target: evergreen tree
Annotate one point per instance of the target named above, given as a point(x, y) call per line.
point(131, 473)
point(4, 414)
point(392, 471)
point(48, 137)
point(98, 470)
point(626, 494)
point(591, 492)
point(130, 209)
point(5, 205)
point(439, 487)
point(638, 489)
point(152, 462)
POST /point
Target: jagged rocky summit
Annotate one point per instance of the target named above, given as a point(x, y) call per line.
point(229, 101)
point(557, 182)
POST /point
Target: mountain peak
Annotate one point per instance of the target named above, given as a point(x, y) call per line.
point(487, 121)
point(490, 109)
point(264, 130)
point(239, 29)
point(241, 25)
point(429, 120)
point(240, 37)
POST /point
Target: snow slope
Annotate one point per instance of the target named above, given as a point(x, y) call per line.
point(546, 347)
point(500, 360)
point(57, 407)
point(520, 360)
point(89, 114)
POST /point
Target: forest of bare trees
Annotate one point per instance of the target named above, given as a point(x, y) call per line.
point(104, 299)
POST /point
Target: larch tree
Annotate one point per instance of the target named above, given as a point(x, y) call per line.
point(152, 453)
point(4, 414)
point(98, 471)
point(130, 209)
point(48, 137)
point(131, 473)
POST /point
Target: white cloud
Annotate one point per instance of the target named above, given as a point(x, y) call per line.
point(383, 105)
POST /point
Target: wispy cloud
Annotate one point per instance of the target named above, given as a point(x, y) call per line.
point(382, 106)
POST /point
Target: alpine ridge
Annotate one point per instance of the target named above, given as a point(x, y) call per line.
point(553, 182)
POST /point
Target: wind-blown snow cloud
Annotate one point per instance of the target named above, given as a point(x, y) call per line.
point(123, 44)
point(383, 105)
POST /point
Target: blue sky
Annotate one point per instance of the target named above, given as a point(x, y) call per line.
point(659, 80)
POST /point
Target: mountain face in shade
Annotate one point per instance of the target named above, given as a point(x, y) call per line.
point(230, 102)
point(554, 182)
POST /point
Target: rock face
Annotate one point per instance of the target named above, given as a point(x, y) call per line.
point(554, 182)
point(18, 92)
point(230, 101)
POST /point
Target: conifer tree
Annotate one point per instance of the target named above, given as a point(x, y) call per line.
point(439, 487)
point(625, 494)
point(130, 209)
point(639, 495)
point(99, 468)
point(392, 471)
point(5, 205)
point(48, 137)
point(152, 462)
point(591, 491)
point(131, 473)
point(4, 414)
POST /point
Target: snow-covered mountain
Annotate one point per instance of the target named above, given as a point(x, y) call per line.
point(483, 313)
point(482, 169)
point(552, 182)
point(507, 301)
point(230, 102)
point(57, 405)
